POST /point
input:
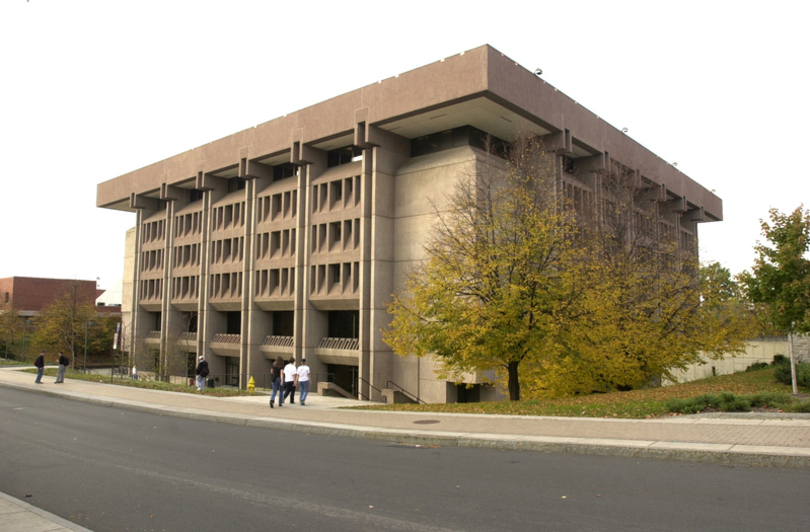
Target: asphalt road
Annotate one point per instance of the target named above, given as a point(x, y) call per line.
point(115, 470)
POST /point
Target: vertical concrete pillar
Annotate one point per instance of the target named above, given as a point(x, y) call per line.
point(255, 326)
point(386, 152)
point(311, 324)
point(209, 320)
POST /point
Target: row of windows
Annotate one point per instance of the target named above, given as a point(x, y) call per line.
point(151, 260)
point(152, 231)
point(687, 241)
point(343, 156)
point(185, 256)
point(228, 250)
point(275, 244)
point(336, 236)
point(226, 285)
point(188, 224)
point(578, 198)
point(335, 279)
point(279, 206)
point(185, 287)
point(455, 138)
point(151, 289)
point(228, 216)
point(340, 194)
point(275, 283)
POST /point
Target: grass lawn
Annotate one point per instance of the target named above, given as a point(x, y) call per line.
point(636, 404)
point(10, 362)
point(147, 384)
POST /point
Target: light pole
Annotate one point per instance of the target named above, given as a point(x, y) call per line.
point(86, 325)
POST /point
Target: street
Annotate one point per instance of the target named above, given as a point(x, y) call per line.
point(113, 470)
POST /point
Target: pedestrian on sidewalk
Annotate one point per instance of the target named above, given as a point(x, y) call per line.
point(303, 382)
point(290, 378)
point(276, 369)
point(202, 373)
point(40, 365)
point(63, 364)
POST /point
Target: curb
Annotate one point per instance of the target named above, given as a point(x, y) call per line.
point(786, 457)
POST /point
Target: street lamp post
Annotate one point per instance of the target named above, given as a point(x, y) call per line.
point(86, 325)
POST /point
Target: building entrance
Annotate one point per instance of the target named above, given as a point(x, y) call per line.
point(343, 376)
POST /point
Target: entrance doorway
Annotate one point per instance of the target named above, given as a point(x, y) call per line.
point(344, 376)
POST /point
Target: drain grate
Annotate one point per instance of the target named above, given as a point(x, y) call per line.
point(426, 422)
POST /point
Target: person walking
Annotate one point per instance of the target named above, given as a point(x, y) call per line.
point(202, 373)
point(290, 378)
point(276, 369)
point(303, 382)
point(63, 364)
point(40, 365)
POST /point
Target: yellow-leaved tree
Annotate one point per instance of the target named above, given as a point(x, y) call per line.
point(496, 284)
point(562, 296)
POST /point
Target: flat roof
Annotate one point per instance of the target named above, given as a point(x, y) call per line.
point(481, 87)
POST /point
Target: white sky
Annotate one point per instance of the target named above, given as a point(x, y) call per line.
point(90, 90)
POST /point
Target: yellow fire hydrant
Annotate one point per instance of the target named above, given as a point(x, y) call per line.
point(251, 385)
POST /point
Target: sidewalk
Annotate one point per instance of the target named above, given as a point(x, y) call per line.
point(19, 516)
point(781, 440)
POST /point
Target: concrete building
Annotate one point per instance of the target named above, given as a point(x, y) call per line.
point(287, 239)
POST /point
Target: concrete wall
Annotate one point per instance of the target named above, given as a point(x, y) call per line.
point(758, 350)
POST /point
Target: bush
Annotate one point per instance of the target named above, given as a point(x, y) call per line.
point(728, 402)
point(772, 399)
point(724, 402)
point(802, 407)
point(782, 373)
point(757, 366)
point(779, 359)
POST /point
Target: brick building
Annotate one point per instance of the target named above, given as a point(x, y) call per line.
point(29, 295)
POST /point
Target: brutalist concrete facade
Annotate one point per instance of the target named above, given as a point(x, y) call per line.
point(288, 239)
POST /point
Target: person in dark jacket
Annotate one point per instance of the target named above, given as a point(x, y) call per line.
point(202, 373)
point(63, 364)
point(277, 368)
point(40, 365)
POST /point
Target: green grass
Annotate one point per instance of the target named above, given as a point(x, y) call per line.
point(10, 362)
point(145, 384)
point(636, 404)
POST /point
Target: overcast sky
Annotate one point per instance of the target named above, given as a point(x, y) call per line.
point(90, 90)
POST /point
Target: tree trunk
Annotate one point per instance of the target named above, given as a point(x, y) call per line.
point(514, 382)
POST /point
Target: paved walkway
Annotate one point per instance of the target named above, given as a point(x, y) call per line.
point(781, 440)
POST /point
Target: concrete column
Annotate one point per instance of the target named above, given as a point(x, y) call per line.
point(255, 326)
point(174, 322)
point(209, 321)
point(386, 154)
point(311, 324)
point(142, 320)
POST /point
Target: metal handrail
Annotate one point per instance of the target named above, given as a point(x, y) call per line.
point(339, 343)
point(361, 379)
point(406, 392)
point(279, 341)
point(226, 338)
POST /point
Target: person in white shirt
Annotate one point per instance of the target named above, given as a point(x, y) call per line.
point(290, 376)
point(303, 381)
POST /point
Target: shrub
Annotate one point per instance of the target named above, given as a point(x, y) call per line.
point(725, 402)
point(777, 400)
point(757, 366)
point(799, 406)
point(782, 373)
point(779, 359)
